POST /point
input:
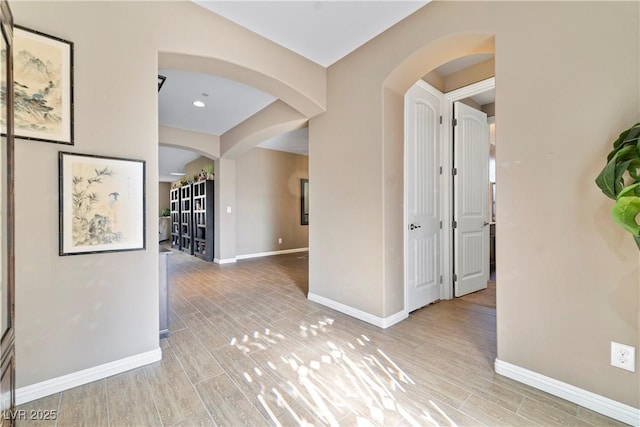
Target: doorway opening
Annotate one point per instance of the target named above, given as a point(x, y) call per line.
point(450, 191)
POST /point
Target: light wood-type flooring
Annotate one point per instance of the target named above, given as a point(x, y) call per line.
point(247, 348)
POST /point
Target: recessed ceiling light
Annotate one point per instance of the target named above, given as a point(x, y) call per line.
point(177, 173)
point(199, 104)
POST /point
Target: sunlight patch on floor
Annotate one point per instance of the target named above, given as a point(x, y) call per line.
point(354, 377)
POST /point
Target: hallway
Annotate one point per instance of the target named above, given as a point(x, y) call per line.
point(247, 348)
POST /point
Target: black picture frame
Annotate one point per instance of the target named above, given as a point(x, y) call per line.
point(304, 201)
point(43, 94)
point(102, 204)
point(161, 80)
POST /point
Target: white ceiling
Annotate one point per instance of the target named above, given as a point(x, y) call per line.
point(296, 141)
point(228, 102)
point(321, 31)
point(173, 160)
point(485, 97)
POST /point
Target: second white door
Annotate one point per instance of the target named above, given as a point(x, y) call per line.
point(471, 211)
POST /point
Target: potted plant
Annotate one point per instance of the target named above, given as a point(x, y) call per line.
point(620, 180)
point(208, 171)
point(165, 212)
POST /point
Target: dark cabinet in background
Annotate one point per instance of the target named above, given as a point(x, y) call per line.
point(174, 204)
point(192, 207)
point(186, 219)
point(203, 219)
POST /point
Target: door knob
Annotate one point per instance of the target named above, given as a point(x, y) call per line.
point(485, 224)
point(413, 226)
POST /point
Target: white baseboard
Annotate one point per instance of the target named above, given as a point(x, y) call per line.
point(359, 314)
point(595, 402)
point(258, 255)
point(282, 252)
point(75, 379)
point(393, 319)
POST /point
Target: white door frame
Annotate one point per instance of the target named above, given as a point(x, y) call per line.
point(446, 187)
point(446, 289)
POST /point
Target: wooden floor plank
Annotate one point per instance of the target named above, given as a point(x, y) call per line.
point(247, 348)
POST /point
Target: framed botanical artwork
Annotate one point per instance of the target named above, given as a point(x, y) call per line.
point(43, 87)
point(102, 204)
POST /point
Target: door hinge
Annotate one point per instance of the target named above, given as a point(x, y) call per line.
point(441, 278)
point(440, 119)
point(440, 225)
point(455, 224)
point(440, 170)
point(454, 171)
point(455, 122)
point(455, 277)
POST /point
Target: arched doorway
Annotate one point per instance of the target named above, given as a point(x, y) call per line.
point(395, 86)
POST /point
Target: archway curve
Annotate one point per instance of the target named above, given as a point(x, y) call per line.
point(182, 147)
point(297, 98)
point(417, 64)
point(276, 119)
point(434, 54)
point(252, 141)
point(201, 143)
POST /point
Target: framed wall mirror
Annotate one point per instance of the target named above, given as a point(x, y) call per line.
point(304, 202)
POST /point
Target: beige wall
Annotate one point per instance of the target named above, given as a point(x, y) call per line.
point(268, 201)
point(163, 196)
point(471, 103)
point(87, 310)
point(568, 277)
point(470, 75)
point(225, 210)
point(462, 78)
point(435, 80)
point(489, 109)
point(194, 167)
point(266, 204)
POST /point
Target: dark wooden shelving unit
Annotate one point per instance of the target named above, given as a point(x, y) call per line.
point(186, 219)
point(174, 204)
point(203, 219)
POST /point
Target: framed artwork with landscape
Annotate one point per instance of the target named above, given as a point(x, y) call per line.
point(43, 87)
point(102, 204)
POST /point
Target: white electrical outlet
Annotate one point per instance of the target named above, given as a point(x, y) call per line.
point(623, 356)
point(279, 240)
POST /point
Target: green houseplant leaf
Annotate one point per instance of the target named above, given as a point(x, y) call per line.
point(607, 178)
point(627, 135)
point(625, 211)
point(620, 180)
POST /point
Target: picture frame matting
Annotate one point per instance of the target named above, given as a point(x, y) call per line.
point(101, 203)
point(43, 87)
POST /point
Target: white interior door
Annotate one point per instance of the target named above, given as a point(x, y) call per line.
point(471, 213)
point(423, 105)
